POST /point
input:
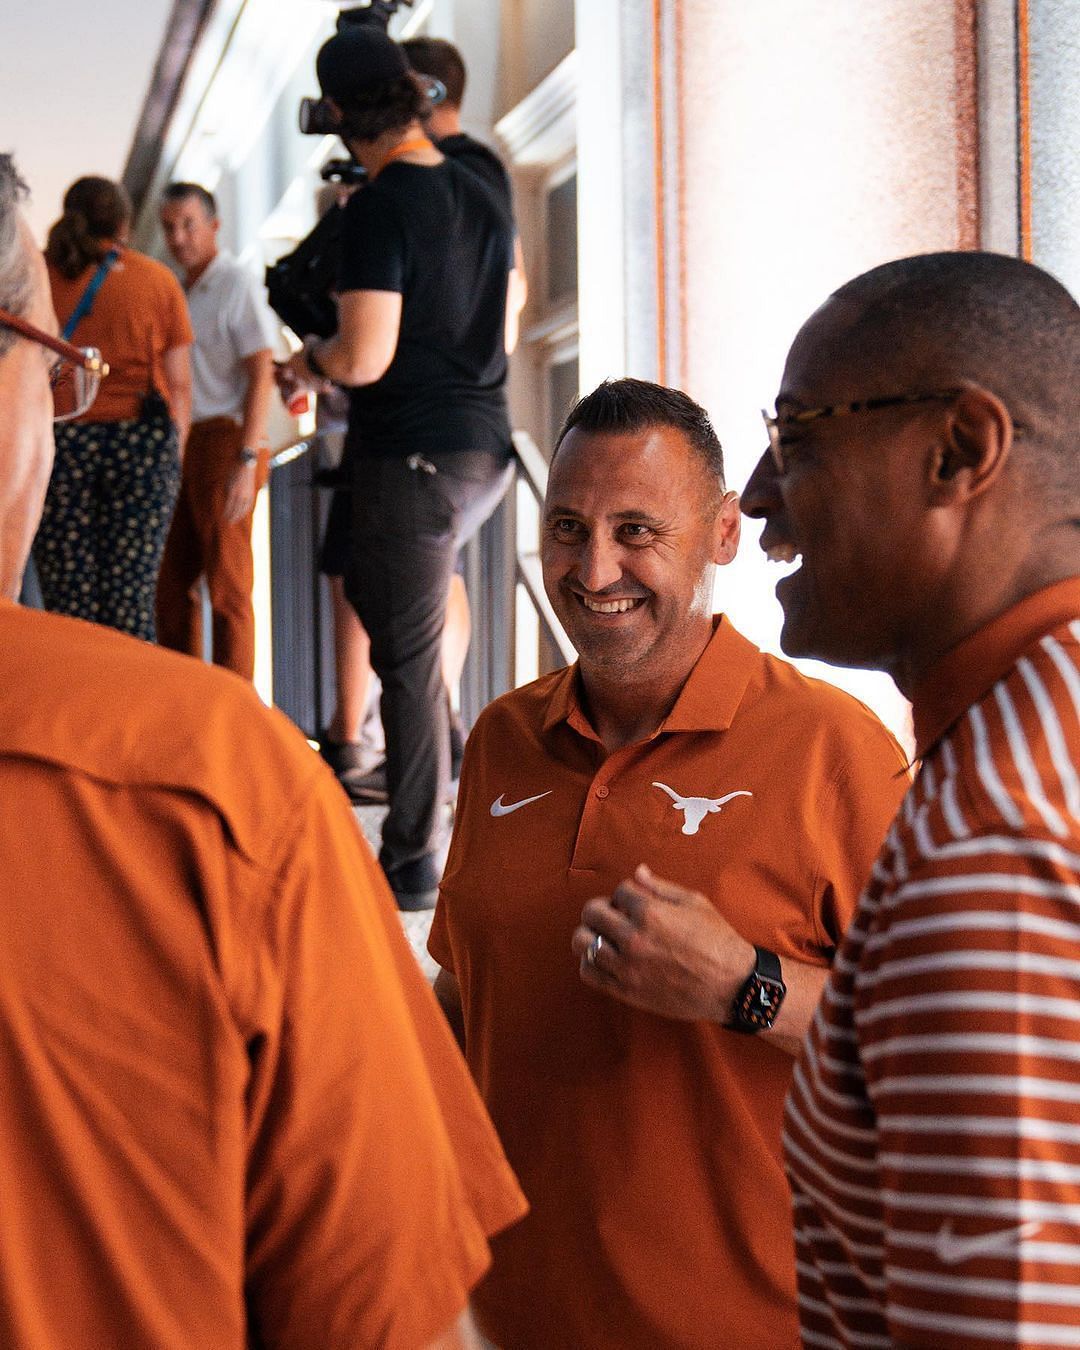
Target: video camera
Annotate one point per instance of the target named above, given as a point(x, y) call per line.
point(317, 118)
point(300, 286)
point(344, 171)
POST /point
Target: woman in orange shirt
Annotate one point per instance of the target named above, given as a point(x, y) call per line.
point(117, 471)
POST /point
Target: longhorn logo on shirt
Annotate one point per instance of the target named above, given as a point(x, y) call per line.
point(695, 809)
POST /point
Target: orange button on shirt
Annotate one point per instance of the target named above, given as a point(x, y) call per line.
point(649, 1149)
point(231, 1112)
point(138, 314)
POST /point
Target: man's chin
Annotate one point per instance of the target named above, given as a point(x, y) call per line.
point(816, 642)
point(807, 637)
point(603, 651)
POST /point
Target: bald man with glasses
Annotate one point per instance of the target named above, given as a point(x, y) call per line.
point(923, 468)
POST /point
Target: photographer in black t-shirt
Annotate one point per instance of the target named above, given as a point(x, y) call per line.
point(428, 253)
point(441, 59)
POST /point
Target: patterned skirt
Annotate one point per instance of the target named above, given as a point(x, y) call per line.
point(110, 500)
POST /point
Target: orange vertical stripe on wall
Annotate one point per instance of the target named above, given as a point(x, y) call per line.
point(1023, 124)
point(968, 224)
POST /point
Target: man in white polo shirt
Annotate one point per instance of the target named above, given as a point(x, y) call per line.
point(226, 452)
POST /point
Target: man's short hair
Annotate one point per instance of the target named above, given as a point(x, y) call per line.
point(182, 192)
point(937, 319)
point(442, 60)
point(621, 407)
point(16, 281)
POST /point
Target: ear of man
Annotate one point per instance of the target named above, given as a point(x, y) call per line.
point(973, 450)
point(727, 529)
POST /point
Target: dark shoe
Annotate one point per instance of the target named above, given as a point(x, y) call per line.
point(366, 789)
point(414, 902)
point(457, 746)
point(415, 885)
point(350, 763)
point(342, 756)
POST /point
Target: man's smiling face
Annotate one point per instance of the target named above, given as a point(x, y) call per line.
point(633, 525)
point(849, 504)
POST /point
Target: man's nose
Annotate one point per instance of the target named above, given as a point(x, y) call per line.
point(762, 491)
point(599, 563)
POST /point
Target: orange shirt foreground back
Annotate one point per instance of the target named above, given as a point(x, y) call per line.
point(230, 1110)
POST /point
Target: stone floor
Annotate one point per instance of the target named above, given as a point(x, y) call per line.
point(416, 925)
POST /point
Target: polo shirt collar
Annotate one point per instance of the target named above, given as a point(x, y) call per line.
point(709, 698)
point(220, 259)
point(974, 666)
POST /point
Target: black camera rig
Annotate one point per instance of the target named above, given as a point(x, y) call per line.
point(316, 119)
point(300, 286)
point(376, 12)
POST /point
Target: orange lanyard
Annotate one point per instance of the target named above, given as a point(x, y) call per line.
point(405, 148)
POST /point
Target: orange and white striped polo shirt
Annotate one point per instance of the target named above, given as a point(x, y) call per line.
point(932, 1131)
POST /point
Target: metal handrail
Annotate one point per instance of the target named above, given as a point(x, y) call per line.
point(533, 465)
point(533, 468)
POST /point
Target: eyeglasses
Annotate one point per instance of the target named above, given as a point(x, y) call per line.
point(75, 376)
point(775, 425)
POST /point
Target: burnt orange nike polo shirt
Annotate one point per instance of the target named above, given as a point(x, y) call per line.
point(649, 1149)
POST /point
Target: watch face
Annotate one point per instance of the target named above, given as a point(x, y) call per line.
point(760, 1002)
point(770, 996)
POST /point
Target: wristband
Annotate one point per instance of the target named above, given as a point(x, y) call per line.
point(313, 363)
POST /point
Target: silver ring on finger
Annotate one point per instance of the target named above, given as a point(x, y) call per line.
point(594, 948)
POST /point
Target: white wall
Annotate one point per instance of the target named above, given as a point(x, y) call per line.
point(1055, 138)
point(819, 139)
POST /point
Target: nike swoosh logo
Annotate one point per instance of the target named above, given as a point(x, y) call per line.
point(951, 1250)
point(498, 809)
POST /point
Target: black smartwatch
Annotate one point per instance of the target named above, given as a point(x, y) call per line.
point(758, 1001)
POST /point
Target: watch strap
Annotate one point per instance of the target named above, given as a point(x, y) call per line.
point(758, 1001)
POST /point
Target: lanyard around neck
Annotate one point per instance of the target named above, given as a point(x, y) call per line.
point(405, 148)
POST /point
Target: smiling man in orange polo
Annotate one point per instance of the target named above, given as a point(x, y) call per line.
point(657, 852)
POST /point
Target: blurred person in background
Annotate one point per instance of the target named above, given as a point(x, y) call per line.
point(442, 61)
point(428, 252)
point(346, 741)
point(226, 457)
point(117, 470)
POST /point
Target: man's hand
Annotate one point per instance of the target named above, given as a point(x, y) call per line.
point(293, 376)
point(240, 494)
point(664, 949)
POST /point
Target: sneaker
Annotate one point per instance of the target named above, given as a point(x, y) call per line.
point(457, 746)
point(342, 756)
point(364, 781)
point(416, 885)
point(415, 902)
point(366, 788)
